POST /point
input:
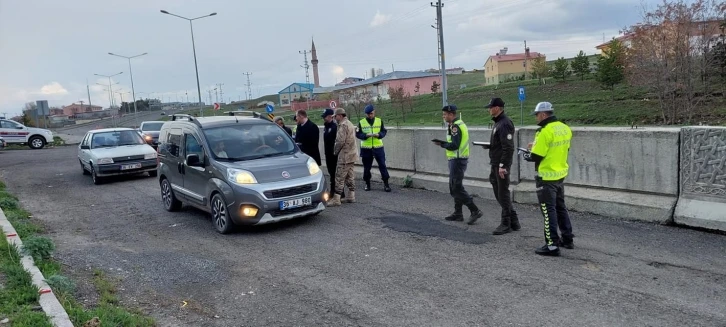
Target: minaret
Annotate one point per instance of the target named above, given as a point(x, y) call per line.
point(315, 66)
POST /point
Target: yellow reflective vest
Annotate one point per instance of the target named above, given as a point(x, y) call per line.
point(552, 142)
point(366, 128)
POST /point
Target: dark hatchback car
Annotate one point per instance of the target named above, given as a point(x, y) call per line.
point(150, 132)
point(241, 170)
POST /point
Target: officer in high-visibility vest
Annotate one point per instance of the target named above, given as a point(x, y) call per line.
point(457, 152)
point(549, 153)
point(294, 128)
point(371, 132)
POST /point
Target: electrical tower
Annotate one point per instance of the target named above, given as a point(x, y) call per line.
point(221, 94)
point(306, 66)
point(249, 88)
point(442, 56)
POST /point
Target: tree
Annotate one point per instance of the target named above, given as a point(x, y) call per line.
point(435, 87)
point(611, 66)
point(672, 56)
point(561, 69)
point(399, 99)
point(417, 88)
point(581, 65)
point(539, 68)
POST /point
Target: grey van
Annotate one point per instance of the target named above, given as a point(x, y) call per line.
point(242, 170)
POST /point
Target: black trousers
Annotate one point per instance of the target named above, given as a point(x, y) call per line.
point(457, 169)
point(551, 196)
point(367, 156)
point(500, 186)
point(331, 161)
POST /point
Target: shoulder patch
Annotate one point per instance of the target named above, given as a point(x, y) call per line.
point(454, 129)
point(509, 136)
point(357, 130)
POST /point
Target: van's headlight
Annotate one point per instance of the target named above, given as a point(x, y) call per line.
point(313, 167)
point(104, 161)
point(239, 176)
point(149, 156)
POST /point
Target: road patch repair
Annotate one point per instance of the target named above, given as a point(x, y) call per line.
point(424, 226)
point(47, 299)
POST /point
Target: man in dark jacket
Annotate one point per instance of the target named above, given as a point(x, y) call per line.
point(281, 122)
point(308, 136)
point(501, 153)
point(330, 130)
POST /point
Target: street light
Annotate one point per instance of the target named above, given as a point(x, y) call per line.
point(110, 91)
point(199, 89)
point(133, 95)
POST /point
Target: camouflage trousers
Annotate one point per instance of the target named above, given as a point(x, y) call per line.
point(344, 175)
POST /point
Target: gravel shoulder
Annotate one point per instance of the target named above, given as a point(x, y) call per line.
point(388, 260)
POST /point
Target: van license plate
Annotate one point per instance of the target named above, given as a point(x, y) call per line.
point(131, 166)
point(295, 203)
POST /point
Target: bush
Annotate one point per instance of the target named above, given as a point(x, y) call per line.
point(61, 284)
point(8, 203)
point(38, 247)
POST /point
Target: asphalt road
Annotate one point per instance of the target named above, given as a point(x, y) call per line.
point(74, 134)
point(388, 260)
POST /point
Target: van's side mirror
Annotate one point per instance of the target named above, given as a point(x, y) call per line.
point(193, 161)
point(85, 147)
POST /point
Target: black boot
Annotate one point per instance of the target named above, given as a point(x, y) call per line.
point(514, 223)
point(458, 215)
point(368, 186)
point(386, 187)
point(475, 214)
point(551, 251)
point(504, 226)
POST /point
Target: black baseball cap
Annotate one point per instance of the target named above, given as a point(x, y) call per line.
point(496, 102)
point(449, 108)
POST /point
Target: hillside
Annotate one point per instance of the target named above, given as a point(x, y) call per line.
point(576, 102)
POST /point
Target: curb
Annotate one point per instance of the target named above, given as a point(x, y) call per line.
point(48, 301)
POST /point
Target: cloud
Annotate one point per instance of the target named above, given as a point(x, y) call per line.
point(338, 71)
point(380, 19)
point(53, 89)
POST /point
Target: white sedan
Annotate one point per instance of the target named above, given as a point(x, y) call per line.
point(115, 151)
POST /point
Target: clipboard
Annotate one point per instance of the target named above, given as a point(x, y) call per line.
point(485, 145)
point(437, 140)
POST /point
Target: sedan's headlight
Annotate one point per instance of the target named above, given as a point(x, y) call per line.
point(104, 161)
point(239, 176)
point(147, 137)
point(150, 156)
point(313, 167)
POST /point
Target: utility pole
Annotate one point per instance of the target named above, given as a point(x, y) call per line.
point(210, 97)
point(438, 47)
point(306, 66)
point(526, 58)
point(442, 55)
point(221, 94)
point(249, 89)
point(187, 94)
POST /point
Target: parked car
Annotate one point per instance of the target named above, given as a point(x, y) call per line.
point(115, 151)
point(3, 144)
point(17, 133)
point(241, 170)
point(150, 132)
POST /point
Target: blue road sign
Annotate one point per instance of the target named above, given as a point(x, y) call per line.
point(521, 93)
point(242, 108)
point(269, 108)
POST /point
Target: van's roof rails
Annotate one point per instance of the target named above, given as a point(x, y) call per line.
point(188, 117)
point(254, 114)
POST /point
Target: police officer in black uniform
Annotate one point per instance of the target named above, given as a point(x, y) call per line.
point(330, 130)
point(501, 153)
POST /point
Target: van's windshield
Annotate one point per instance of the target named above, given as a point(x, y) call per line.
point(249, 141)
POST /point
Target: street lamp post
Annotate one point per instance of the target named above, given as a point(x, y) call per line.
point(133, 95)
point(110, 90)
point(194, 50)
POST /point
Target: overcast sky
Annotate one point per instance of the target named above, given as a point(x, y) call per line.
point(49, 48)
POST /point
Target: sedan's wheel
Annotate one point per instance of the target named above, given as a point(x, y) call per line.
point(96, 179)
point(85, 172)
point(220, 216)
point(36, 142)
point(167, 196)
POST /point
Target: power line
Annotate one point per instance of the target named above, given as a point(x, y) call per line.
point(249, 88)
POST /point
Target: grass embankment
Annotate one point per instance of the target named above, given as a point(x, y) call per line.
point(576, 102)
point(18, 296)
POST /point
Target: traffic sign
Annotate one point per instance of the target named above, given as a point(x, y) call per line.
point(269, 108)
point(271, 116)
point(332, 104)
point(216, 106)
point(521, 93)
